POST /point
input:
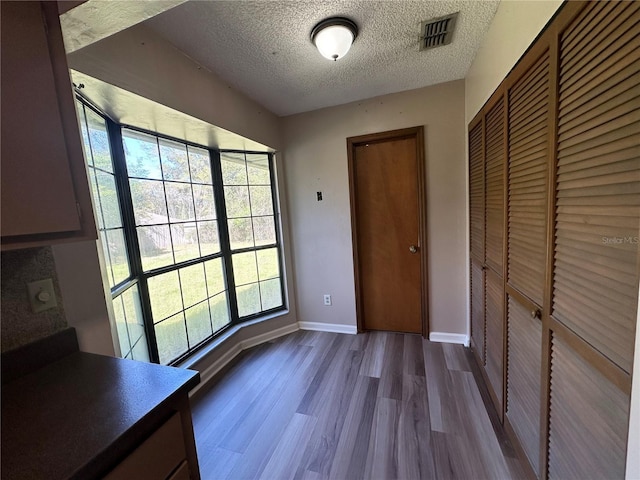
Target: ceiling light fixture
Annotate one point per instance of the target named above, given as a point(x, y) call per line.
point(333, 37)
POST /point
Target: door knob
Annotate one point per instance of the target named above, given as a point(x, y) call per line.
point(535, 313)
point(413, 249)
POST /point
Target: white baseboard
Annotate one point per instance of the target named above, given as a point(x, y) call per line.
point(208, 373)
point(442, 337)
point(328, 327)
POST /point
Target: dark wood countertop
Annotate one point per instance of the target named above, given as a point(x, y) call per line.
point(77, 417)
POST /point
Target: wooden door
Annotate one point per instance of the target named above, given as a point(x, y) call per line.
point(476, 231)
point(387, 205)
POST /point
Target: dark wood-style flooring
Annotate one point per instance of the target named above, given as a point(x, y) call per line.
point(314, 405)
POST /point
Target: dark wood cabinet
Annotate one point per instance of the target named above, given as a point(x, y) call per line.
point(553, 325)
point(45, 193)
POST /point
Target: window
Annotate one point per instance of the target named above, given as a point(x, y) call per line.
point(197, 248)
point(252, 231)
point(102, 179)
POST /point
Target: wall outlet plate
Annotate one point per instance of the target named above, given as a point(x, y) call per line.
point(327, 299)
point(41, 295)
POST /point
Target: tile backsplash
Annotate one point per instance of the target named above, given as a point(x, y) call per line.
point(18, 324)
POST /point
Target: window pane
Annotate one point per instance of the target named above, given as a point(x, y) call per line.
point(200, 165)
point(171, 336)
point(105, 252)
point(179, 201)
point(208, 235)
point(85, 134)
point(155, 246)
point(258, 169)
point(165, 296)
point(237, 201)
point(140, 351)
point(198, 323)
point(109, 200)
point(185, 241)
point(271, 294)
point(234, 171)
point(95, 196)
point(244, 268)
point(248, 299)
point(148, 202)
point(121, 326)
point(118, 255)
point(215, 276)
point(205, 204)
point(240, 233)
point(99, 141)
point(141, 152)
point(135, 324)
point(268, 265)
point(261, 202)
point(219, 311)
point(193, 285)
point(264, 231)
point(175, 165)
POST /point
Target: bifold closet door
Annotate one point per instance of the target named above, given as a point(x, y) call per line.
point(476, 228)
point(595, 274)
point(494, 249)
point(529, 154)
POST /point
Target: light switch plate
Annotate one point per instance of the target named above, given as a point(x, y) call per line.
point(41, 295)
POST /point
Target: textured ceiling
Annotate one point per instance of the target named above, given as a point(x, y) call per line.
point(262, 48)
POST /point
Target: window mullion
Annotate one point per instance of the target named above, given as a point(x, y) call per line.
point(223, 231)
point(276, 220)
point(131, 237)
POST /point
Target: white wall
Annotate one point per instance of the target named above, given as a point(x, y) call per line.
point(516, 25)
point(84, 295)
point(141, 62)
point(316, 158)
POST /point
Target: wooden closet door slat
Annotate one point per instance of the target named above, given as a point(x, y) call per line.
point(598, 180)
point(527, 184)
point(494, 185)
point(476, 191)
point(494, 309)
point(588, 419)
point(523, 388)
point(477, 310)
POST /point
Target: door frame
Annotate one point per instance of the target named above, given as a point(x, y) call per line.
point(352, 142)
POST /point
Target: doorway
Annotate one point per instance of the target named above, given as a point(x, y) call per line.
point(388, 223)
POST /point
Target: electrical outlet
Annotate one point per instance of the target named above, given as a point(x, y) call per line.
point(41, 295)
point(327, 299)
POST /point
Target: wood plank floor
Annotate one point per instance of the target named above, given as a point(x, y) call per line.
point(315, 405)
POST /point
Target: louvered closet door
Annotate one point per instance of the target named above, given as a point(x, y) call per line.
point(494, 186)
point(476, 228)
point(526, 251)
point(524, 334)
point(477, 309)
point(588, 420)
point(598, 179)
point(527, 186)
point(476, 192)
point(494, 308)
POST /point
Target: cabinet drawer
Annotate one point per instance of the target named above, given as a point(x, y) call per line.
point(156, 457)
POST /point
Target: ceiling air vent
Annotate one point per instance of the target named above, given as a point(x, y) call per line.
point(437, 31)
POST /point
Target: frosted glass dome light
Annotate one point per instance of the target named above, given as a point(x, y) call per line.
point(333, 37)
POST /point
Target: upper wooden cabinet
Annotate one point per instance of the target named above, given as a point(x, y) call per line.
point(45, 193)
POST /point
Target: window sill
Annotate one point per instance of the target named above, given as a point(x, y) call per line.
point(193, 360)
